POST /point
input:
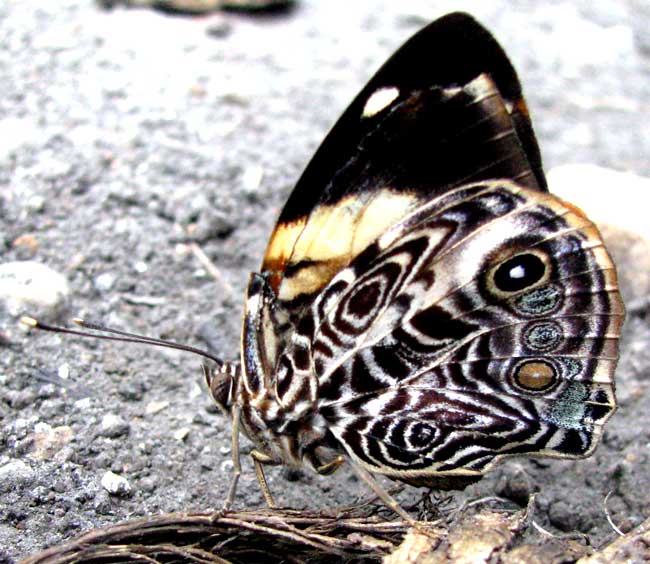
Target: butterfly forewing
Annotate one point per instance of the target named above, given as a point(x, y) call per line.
point(424, 124)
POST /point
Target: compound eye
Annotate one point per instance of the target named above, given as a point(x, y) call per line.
point(520, 272)
point(221, 385)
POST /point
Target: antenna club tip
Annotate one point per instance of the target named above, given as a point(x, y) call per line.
point(29, 321)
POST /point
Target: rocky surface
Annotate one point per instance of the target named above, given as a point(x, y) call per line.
point(123, 130)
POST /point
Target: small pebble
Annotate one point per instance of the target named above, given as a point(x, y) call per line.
point(36, 203)
point(211, 407)
point(104, 282)
point(147, 485)
point(115, 484)
point(131, 390)
point(147, 447)
point(64, 371)
point(565, 517)
point(22, 398)
point(42, 427)
point(251, 178)
point(83, 404)
point(220, 29)
point(102, 503)
point(49, 442)
point(181, 434)
point(206, 462)
point(196, 391)
point(22, 426)
point(52, 408)
point(113, 426)
point(199, 419)
point(517, 485)
point(29, 287)
point(27, 241)
point(155, 407)
point(15, 473)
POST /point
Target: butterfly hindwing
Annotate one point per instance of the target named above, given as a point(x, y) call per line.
point(485, 324)
point(445, 110)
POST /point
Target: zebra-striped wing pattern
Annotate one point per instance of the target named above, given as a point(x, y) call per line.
point(484, 325)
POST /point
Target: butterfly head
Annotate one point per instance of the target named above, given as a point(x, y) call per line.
point(222, 383)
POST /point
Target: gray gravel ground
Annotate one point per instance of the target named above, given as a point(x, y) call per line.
point(121, 130)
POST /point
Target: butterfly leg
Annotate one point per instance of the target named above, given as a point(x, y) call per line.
point(259, 459)
point(382, 494)
point(236, 462)
point(330, 467)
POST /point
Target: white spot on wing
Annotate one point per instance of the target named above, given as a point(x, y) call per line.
point(379, 100)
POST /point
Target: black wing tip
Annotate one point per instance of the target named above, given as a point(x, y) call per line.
point(451, 51)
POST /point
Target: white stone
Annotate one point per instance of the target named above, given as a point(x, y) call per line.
point(226, 466)
point(196, 391)
point(252, 178)
point(110, 420)
point(181, 434)
point(83, 403)
point(618, 203)
point(104, 282)
point(29, 287)
point(42, 427)
point(140, 267)
point(16, 471)
point(155, 407)
point(113, 426)
point(115, 484)
point(64, 371)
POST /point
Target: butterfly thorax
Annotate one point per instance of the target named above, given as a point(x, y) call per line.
point(282, 421)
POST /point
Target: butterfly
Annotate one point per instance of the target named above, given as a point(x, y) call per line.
point(425, 307)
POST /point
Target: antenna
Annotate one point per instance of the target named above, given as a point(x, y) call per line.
point(123, 336)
